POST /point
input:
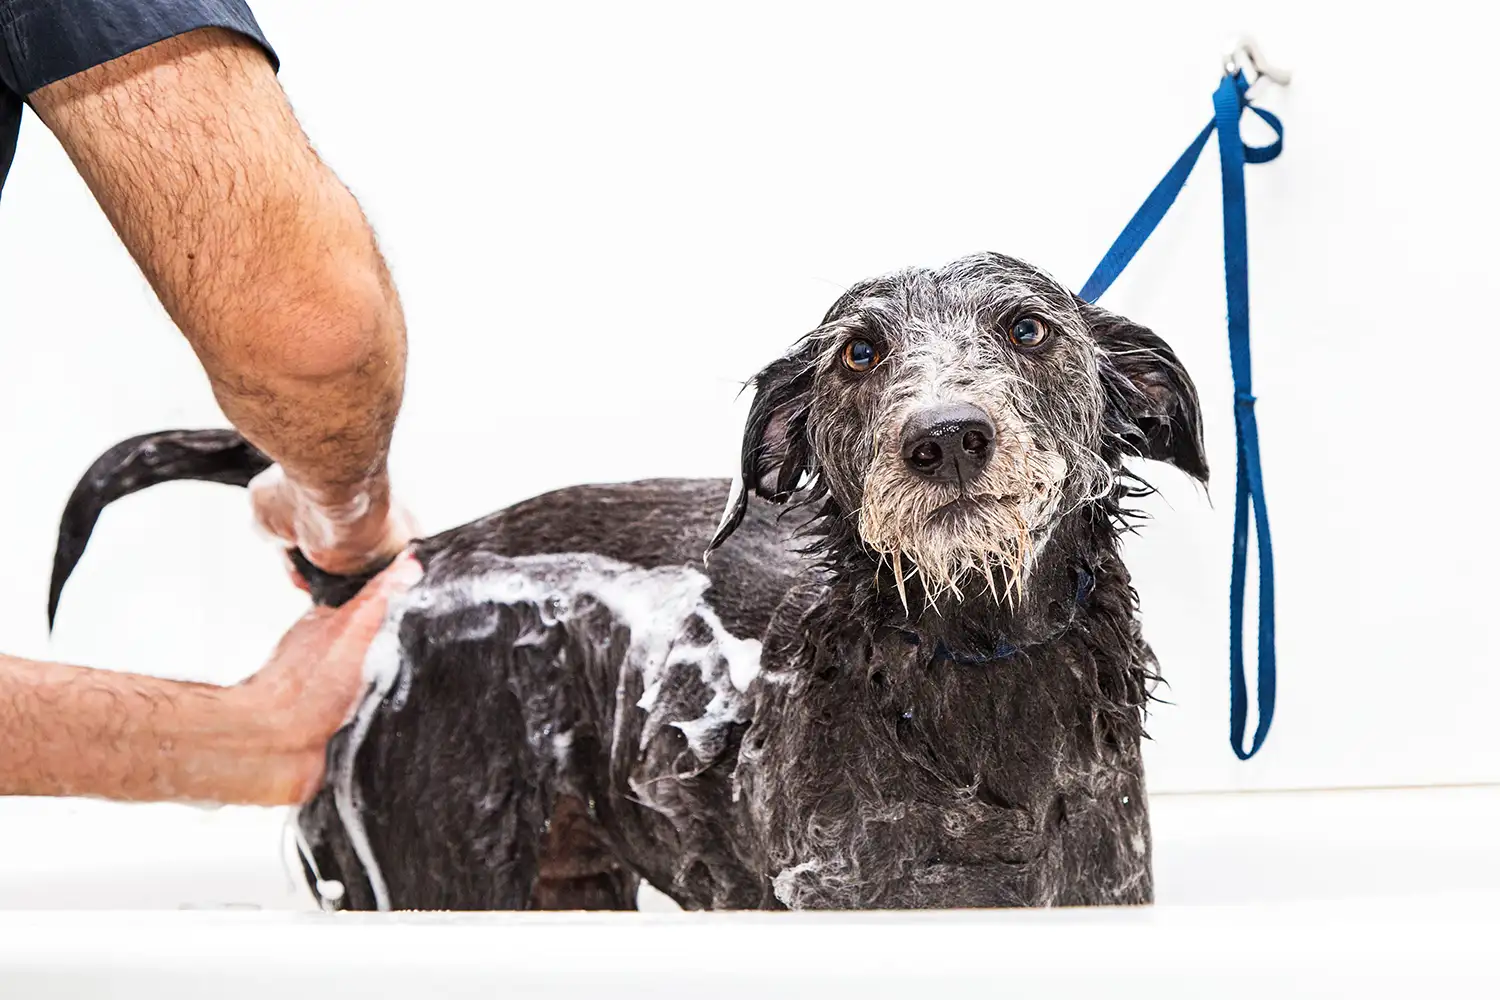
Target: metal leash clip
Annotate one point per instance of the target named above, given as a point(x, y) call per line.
point(1246, 56)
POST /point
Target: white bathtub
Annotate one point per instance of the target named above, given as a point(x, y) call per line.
point(1305, 893)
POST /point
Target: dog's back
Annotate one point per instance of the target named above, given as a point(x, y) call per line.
point(649, 523)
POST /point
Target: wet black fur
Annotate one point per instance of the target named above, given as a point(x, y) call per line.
point(883, 761)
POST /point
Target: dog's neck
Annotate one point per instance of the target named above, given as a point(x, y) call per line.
point(1073, 631)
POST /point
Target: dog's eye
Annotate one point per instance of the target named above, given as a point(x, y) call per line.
point(1028, 333)
point(860, 356)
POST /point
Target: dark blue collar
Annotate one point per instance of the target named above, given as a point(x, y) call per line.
point(1004, 649)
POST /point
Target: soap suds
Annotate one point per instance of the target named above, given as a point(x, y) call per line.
point(656, 606)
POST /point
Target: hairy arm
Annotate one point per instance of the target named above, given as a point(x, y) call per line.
point(265, 262)
point(68, 730)
point(73, 731)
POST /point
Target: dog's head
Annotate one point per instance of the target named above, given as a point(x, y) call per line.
point(956, 416)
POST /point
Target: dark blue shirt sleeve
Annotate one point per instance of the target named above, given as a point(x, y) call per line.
point(46, 40)
point(43, 41)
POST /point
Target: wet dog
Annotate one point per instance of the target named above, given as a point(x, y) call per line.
point(907, 673)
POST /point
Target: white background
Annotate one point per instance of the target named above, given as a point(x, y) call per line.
point(603, 217)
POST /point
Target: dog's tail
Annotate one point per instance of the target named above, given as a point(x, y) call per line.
point(215, 456)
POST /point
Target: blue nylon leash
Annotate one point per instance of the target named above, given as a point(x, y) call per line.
point(1230, 102)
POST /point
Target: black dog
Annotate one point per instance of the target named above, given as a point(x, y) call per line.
point(908, 673)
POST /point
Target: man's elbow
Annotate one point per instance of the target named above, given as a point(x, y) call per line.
point(345, 323)
point(325, 323)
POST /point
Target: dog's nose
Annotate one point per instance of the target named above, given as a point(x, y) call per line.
point(948, 444)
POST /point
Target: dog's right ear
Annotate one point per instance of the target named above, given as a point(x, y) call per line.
point(775, 454)
point(1152, 405)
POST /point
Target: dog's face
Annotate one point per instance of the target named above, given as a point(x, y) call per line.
point(956, 415)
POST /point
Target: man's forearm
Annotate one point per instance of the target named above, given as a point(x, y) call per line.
point(71, 731)
point(257, 251)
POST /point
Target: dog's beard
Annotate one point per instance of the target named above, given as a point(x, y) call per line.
point(990, 530)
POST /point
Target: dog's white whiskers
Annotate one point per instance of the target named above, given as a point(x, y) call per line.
point(989, 576)
point(900, 581)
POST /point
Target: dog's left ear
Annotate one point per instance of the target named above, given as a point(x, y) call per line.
point(1151, 404)
point(775, 454)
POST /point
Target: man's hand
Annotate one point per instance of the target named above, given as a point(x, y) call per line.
point(68, 730)
point(343, 534)
point(309, 687)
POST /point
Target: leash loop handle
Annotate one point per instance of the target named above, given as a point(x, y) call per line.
point(1230, 101)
